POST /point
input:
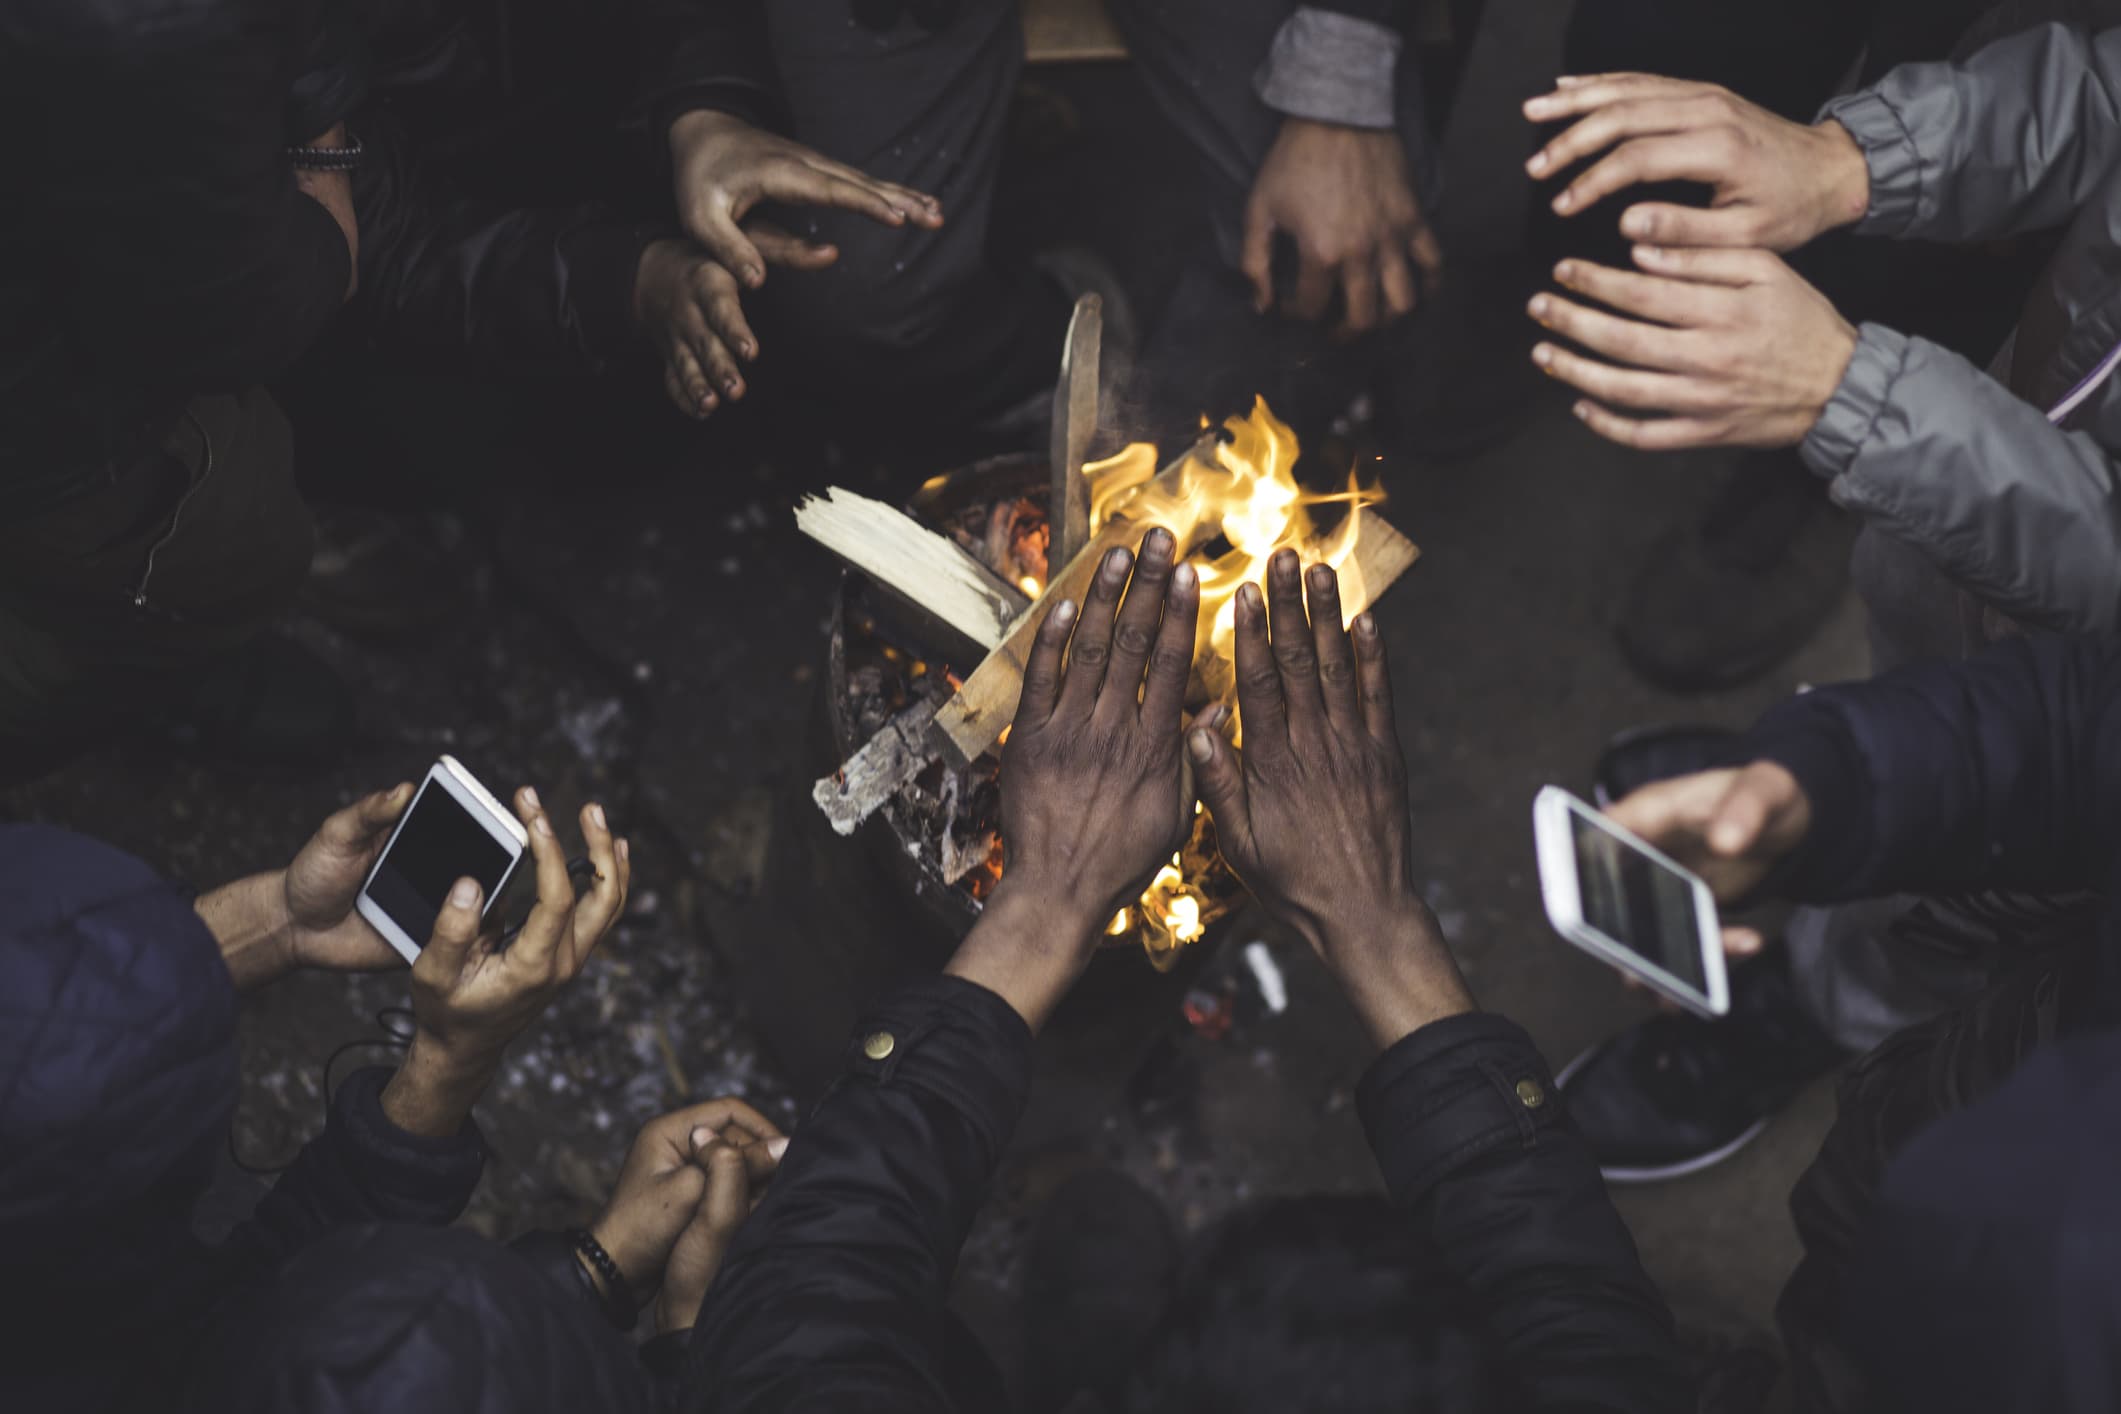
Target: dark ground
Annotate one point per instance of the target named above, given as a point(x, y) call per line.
point(661, 651)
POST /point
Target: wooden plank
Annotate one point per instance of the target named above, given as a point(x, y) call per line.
point(1074, 424)
point(891, 758)
point(929, 570)
point(972, 721)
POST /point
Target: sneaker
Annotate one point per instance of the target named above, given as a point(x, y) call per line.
point(1101, 1268)
point(1677, 1094)
point(1721, 601)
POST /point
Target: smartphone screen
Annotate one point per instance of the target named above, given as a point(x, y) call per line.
point(1643, 905)
point(439, 843)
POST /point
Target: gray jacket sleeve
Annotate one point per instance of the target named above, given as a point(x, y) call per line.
point(2014, 139)
point(1942, 456)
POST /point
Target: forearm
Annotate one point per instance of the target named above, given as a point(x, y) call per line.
point(1954, 777)
point(856, 1241)
point(1398, 973)
point(1940, 455)
point(1029, 947)
point(2015, 139)
point(249, 919)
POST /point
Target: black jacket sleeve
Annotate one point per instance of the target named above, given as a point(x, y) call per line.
point(706, 54)
point(834, 1295)
point(1997, 773)
point(533, 290)
point(208, 270)
point(1468, 1128)
point(361, 1169)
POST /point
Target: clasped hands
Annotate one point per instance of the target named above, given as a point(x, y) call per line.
point(1713, 336)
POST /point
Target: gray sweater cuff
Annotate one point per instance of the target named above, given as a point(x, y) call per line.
point(1838, 438)
point(1889, 151)
point(1331, 68)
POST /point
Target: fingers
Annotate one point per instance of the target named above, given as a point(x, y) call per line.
point(1091, 649)
point(1260, 707)
point(368, 819)
point(721, 310)
point(1691, 225)
point(1668, 301)
point(1626, 387)
point(1735, 268)
point(1336, 657)
point(818, 181)
point(1671, 157)
point(1042, 670)
point(555, 907)
point(1219, 777)
point(1661, 434)
point(1358, 289)
point(1136, 626)
point(781, 247)
point(1749, 809)
point(1578, 94)
point(714, 1116)
point(1629, 340)
point(1373, 677)
point(1742, 943)
point(1663, 811)
point(456, 929)
point(1314, 287)
point(1294, 653)
point(915, 206)
point(1428, 254)
point(687, 385)
point(711, 359)
point(710, 221)
point(600, 906)
point(1257, 256)
point(1171, 658)
point(1396, 283)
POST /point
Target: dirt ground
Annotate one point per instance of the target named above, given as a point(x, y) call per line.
point(660, 651)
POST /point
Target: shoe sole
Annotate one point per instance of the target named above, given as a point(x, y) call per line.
point(1626, 1176)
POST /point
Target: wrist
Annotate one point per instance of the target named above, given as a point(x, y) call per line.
point(700, 124)
point(1848, 176)
point(432, 1091)
point(1029, 947)
point(1396, 969)
point(250, 921)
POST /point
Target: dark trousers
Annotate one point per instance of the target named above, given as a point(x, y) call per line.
point(108, 600)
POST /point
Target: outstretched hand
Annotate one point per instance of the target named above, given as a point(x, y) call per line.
point(1777, 184)
point(471, 996)
point(1312, 814)
point(1095, 794)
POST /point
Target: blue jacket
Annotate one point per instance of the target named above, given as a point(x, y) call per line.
point(117, 1083)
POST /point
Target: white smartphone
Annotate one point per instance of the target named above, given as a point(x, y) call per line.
point(1620, 899)
point(454, 828)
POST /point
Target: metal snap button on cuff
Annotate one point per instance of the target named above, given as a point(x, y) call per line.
point(881, 1044)
point(1529, 1092)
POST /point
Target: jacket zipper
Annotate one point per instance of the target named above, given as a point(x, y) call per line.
point(176, 519)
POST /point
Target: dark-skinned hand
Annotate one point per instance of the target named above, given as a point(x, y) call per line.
point(471, 997)
point(1096, 793)
point(678, 1162)
point(1312, 814)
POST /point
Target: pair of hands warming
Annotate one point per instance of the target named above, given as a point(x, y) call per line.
point(1712, 334)
point(1102, 773)
point(470, 996)
point(687, 296)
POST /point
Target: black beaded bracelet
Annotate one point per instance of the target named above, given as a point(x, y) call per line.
point(327, 159)
point(619, 1306)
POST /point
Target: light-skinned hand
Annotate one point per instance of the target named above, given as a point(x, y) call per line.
point(1777, 184)
point(1312, 814)
point(738, 1169)
point(1730, 347)
point(1343, 195)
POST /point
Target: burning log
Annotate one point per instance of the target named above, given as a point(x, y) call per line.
point(927, 571)
point(889, 762)
point(1074, 424)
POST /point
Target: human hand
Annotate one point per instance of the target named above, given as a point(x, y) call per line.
point(471, 997)
point(736, 1170)
point(723, 167)
point(1778, 184)
point(1732, 345)
point(1312, 814)
point(1096, 793)
point(1729, 826)
point(687, 305)
point(319, 888)
point(711, 1150)
point(334, 192)
point(1342, 193)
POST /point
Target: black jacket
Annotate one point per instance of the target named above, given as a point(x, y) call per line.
point(2001, 774)
point(117, 1082)
point(155, 247)
point(834, 1293)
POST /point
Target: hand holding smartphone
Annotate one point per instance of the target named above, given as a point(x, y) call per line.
point(453, 829)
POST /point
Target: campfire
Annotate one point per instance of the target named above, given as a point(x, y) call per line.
point(933, 664)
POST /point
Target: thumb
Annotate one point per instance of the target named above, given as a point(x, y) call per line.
point(1740, 818)
point(456, 928)
point(713, 224)
point(703, 1244)
point(1257, 257)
